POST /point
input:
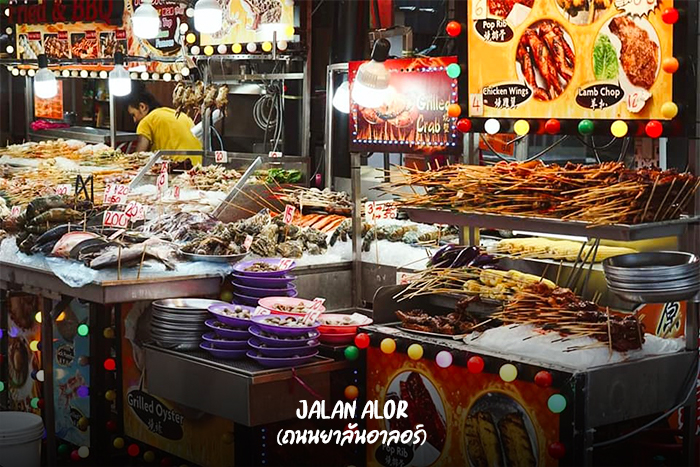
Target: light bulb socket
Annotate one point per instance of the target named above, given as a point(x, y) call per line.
point(43, 61)
point(380, 50)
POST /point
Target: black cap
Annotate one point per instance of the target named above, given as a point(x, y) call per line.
point(380, 51)
point(43, 61)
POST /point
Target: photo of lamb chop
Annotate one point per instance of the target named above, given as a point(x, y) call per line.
point(639, 53)
point(545, 59)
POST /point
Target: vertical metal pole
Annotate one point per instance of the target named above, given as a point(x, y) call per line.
point(112, 121)
point(28, 105)
point(10, 107)
point(328, 134)
point(47, 366)
point(206, 128)
point(356, 181)
point(306, 92)
point(4, 314)
point(387, 166)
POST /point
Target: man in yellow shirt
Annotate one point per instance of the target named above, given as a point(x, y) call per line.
point(158, 127)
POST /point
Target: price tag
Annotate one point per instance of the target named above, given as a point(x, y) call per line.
point(176, 192)
point(274, 154)
point(375, 210)
point(117, 234)
point(115, 219)
point(403, 278)
point(248, 241)
point(311, 317)
point(116, 193)
point(260, 311)
point(369, 211)
point(64, 189)
point(318, 303)
point(476, 105)
point(15, 211)
point(289, 213)
point(479, 9)
point(135, 211)
point(220, 157)
point(637, 100)
point(285, 263)
point(390, 211)
point(162, 183)
point(164, 167)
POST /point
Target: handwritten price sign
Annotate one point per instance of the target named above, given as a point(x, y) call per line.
point(15, 212)
point(260, 311)
point(162, 183)
point(64, 189)
point(248, 241)
point(220, 157)
point(637, 7)
point(274, 154)
point(116, 193)
point(289, 213)
point(115, 219)
point(376, 210)
point(135, 211)
point(164, 167)
point(286, 263)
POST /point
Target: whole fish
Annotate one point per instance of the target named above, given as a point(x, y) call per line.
point(48, 239)
point(64, 246)
point(90, 245)
point(156, 249)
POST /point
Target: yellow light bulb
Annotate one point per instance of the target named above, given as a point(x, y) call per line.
point(619, 129)
point(190, 38)
point(34, 346)
point(669, 110)
point(267, 46)
point(209, 50)
point(237, 48)
point(37, 316)
point(521, 127)
point(289, 31)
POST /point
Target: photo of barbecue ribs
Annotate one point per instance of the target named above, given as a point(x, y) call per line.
point(422, 410)
point(639, 54)
point(502, 8)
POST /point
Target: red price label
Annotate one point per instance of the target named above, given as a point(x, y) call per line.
point(289, 213)
point(34, 36)
point(176, 192)
point(274, 154)
point(162, 183)
point(311, 317)
point(90, 34)
point(116, 193)
point(164, 167)
point(260, 311)
point(318, 303)
point(63, 35)
point(135, 211)
point(376, 210)
point(286, 263)
point(115, 219)
point(121, 34)
point(220, 157)
point(64, 189)
point(15, 211)
point(248, 241)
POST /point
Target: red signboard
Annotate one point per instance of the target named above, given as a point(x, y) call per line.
point(413, 117)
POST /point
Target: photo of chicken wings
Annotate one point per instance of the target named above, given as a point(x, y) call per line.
point(545, 59)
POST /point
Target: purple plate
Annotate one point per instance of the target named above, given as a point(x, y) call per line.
point(239, 334)
point(280, 362)
point(283, 330)
point(217, 310)
point(290, 291)
point(228, 344)
point(225, 354)
point(268, 282)
point(276, 352)
point(274, 341)
point(243, 265)
point(247, 300)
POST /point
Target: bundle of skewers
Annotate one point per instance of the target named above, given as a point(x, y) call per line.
point(560, 310)
point(601, 194)
point(193, 99)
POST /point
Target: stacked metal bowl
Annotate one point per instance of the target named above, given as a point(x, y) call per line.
point(653, 277)
point(178, 323)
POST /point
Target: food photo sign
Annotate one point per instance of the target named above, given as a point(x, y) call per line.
point(593, 59)
point(414, 116)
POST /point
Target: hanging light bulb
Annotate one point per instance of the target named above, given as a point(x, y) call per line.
point(341, 99)
point(145, 20)
point(208, 16)
point(45, 84)
point(119, 79)
point(372, 80)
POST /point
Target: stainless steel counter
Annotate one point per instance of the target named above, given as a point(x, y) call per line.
point(86, 134)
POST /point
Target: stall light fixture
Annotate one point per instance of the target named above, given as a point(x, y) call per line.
point(45, 84)
point(341, 99)
point(119, 79)
point(208, 17)
point(372, 80)
point(145, 21)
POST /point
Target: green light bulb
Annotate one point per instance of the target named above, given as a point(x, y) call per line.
point(83, 330)
point(454, 70)
point(585, 127)
point(556, 403)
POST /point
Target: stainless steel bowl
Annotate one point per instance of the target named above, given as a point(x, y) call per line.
point(650, 278)
point(655, 297)
point(676, 262)
point(659, 285)
point(187, 303)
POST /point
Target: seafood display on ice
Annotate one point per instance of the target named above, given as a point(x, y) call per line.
point(209, 178)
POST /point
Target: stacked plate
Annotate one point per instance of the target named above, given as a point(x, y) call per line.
point(282, 341)
point(255, 279)
point(228, 338)
point(341, 329)
point(654, 277)
point(288, 306)
point(178, 323)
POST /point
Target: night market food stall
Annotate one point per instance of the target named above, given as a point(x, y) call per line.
point(159, 310)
